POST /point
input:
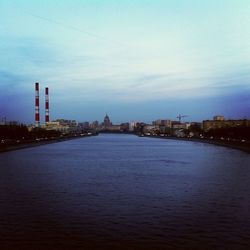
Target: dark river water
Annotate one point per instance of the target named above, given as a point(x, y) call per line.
point(125, 192)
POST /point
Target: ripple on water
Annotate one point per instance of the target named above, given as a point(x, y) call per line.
point(125, 192)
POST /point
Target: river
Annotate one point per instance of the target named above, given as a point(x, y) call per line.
point(125, 192)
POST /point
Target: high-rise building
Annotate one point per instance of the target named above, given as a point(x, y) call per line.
point(106, 121)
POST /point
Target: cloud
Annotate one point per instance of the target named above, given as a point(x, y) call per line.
point(27, 55)
point(10, 81)
point(185, 55)
point(8, 78)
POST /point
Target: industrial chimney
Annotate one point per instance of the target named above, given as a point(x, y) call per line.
point(46, 105)
point(37, 114)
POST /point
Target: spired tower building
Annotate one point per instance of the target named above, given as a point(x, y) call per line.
point(106, 122)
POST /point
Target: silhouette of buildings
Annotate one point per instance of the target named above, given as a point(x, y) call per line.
point(220, 122)
point(106, 122)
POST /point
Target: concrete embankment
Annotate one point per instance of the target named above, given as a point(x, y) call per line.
point(36, 143)
point(240, 145)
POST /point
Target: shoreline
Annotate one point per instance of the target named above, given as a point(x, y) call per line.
point(242, 146)
point(34, 143)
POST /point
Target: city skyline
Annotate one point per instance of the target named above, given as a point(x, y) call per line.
point(135, 61)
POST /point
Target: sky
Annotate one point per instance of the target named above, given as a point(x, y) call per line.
point(136, 60)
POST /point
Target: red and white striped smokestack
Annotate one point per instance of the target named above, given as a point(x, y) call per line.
point(46, 104)
point(37, 114)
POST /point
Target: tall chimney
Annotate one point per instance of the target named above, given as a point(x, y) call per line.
point(46, 104)
point(37, 114)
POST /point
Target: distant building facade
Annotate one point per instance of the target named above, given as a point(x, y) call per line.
point(159, 122)
point(106, 122)
point(62, 125)
point(124, 127)
point(222, 123)
point(94, 125)
point(114, 128)
point(83, 125)
point(108, 126)
point(180, 125)
point(219, 118)
point(150, 129)
point(132, 126)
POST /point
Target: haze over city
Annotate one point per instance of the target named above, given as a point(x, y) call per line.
point(140, 60)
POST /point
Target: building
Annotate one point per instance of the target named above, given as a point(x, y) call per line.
point(108, 126)
point(159, 122)
point(53, 125)
point(132, 126)
point(64, 122)
point(219, 118)
point(180, 125)
point(221, 123)
point(114, 128)
point(83, 125)
point(94, 125)
point(138, 127)
point(150, 129)
point(195, 129)
point(124, 127)
point(106, 122)
point(62, 125)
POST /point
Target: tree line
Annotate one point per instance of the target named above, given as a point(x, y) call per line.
point(241, 132)
point(21, 132)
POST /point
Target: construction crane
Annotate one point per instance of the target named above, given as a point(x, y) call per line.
point(181, 116)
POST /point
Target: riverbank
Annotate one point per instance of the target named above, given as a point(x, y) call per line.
point(38, 142)
point(240, 145)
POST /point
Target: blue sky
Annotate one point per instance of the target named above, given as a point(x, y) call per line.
point(135, 60)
